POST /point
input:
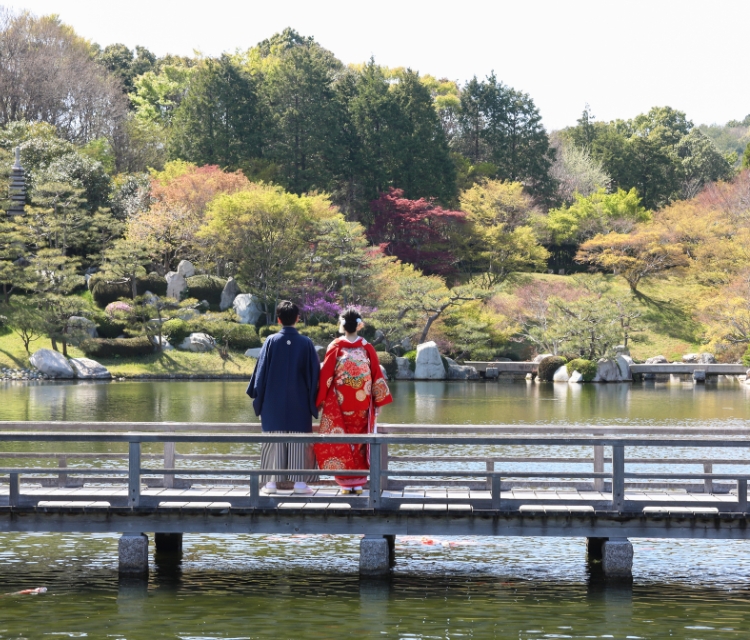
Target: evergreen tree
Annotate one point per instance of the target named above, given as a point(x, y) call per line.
point(221, 118)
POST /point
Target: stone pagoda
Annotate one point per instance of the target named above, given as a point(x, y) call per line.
point(17, 192)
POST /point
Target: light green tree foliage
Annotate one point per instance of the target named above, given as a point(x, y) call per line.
point(497, 240)
point(25, 320)
point(575, 171)
point(158, 93)
point(599, 213)
point(730, 139)
point(342, 260)
point(267, 233)
point(746, 157)
point(410, 302)
point(446, 97)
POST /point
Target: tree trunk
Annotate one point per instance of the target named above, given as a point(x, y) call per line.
point(65, 348)
point(54, 344)
point(426, 330)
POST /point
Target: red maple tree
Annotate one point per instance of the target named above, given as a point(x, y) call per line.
point(415, 231)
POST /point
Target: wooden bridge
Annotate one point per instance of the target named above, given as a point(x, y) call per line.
point(576, 489)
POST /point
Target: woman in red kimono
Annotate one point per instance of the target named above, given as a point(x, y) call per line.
point(351, 391)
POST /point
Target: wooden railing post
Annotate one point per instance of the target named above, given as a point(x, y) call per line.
point(15, 490)
point(708, 483)
point(374, 500)
point(496, 492)
point(134, 474)
point(490, 464)
point(618, 477)
point(384, 465)
point(598, 466)
point(169, 461)
point(62, 478)
point(254, 490)
point(742, 494)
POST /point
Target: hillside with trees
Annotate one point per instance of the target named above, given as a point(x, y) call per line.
point(444, 210)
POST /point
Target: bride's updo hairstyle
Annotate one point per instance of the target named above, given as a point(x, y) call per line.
point(350, 320)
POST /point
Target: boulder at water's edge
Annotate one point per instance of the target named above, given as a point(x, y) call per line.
point(87, 369)
point(52, 364)
point(429, 364)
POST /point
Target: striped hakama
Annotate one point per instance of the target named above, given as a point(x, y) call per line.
point(287, 455)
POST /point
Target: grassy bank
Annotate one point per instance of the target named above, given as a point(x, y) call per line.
point(178, 363)
point(667, 326)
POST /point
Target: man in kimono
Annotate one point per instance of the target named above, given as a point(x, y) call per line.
point(283, 388)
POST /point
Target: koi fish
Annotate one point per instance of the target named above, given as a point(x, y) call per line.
point(28, 592)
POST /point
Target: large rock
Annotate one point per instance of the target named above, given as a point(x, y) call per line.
point(52, 364)
point(88, 369)
point(253, 353)
point(607, 371)
point(81, 328)
point(406, 344)
point(248, 308)
point(429, 364)
point(384, 372)
point(230, 291)
point(541, 357)
point(165, 346)
point(657, 360)
point(699, 358)
point(403, 370)
point(461, 372)
point(186, 269)
point(561, 374)
point(623, 364)
point(575, 377)
point(176, 285)
point(198, 343)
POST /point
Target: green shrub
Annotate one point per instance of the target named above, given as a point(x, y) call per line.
point(548, 366)
point(321, 334)
point(268, 330)
point(241, 336)
point(105, 292)
point(585, 367)
point(206, 288)
point(125, 347)
point(153, 282)
point(746, 357)
point(108, 327)
point(175, 330)
point(411, 356)
point(388, 361)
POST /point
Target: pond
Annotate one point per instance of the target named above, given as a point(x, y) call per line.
point(308, 586)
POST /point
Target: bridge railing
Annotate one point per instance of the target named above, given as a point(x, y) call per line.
point(496, 490)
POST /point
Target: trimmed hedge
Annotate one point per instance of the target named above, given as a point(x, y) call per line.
point(268, 330)
point(585, 367)
point(388, 360)
point(206, 288)
point(321, 334)
point(175, 330)
point(105, 292)
point(125, 347)
point(107, 327)
point(548, 366)
point(242, 337)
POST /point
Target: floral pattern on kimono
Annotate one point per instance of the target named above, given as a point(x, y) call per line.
point(351, 387)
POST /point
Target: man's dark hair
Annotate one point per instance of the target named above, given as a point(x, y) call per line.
point(351, 319)
point(287, 312)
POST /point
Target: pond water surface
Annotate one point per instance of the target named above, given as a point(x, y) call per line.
point(308, 586)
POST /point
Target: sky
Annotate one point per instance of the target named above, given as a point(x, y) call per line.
point(619, 56)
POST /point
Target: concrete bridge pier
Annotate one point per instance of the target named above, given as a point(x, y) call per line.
point(594, 548)
point(168, 543)
point(617, 558)
point(376, 554)
point(133, 553)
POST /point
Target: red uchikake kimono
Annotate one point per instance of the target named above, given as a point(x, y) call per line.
point(351, 387)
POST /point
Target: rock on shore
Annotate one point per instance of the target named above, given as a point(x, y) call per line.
point(52, 363)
